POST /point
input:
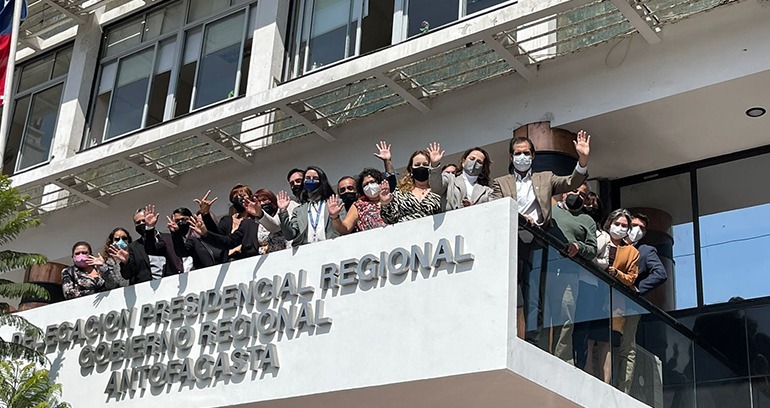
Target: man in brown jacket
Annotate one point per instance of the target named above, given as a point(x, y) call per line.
point(533, 192)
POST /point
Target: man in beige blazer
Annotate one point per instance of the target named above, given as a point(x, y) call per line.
point(533, 192)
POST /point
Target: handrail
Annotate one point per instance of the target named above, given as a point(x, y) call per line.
point(552, 241)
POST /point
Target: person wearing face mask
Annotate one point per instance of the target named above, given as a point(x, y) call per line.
point(162, 244)
point(469, 187)
point(119, 239)
point(136, 266)
point(310, 221)
point(651, 275)
point(272, 239)
point(578, 231)
point(187, 244)
point(364, 214)
point(347, 192)
point(247, 235)
point(86, 276)
point(622, 260)
point(412, 198)
point(226, 225)
point(450, 168)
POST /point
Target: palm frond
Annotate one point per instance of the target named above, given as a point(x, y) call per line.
point(10, 260)
point(15, 290)
point(15, 224)
point(21, 324)
point(15, 351)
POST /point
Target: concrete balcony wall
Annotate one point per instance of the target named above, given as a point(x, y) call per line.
point(436, 336)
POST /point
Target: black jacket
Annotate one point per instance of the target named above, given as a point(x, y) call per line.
point(138, 269)
point(203, 255)
point(651, 271)
point(219, 236)
point(161, 244)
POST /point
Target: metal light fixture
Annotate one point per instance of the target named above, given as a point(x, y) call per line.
point(755, 112)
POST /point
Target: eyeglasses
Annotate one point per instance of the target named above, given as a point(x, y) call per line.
point(116, 239)
point(140, 222)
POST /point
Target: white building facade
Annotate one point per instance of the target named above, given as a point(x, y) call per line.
point(118, 104)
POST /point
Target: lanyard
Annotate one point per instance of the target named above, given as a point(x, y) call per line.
point(313, 223)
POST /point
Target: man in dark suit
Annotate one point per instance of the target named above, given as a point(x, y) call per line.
point(651, 275)
point(532, 192)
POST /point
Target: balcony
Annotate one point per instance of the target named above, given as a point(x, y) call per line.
point(417, 314)
point(514, 39)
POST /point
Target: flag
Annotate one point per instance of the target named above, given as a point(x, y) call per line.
point(6, 36)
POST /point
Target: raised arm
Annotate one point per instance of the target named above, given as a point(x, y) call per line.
point(288, 221)
point(343, 225)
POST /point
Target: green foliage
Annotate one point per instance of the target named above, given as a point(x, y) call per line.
point(25, 386)
point(13, 221)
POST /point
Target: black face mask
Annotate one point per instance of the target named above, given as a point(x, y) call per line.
point(269, 209)
point(348, 199)
point(140, 229)
point(297, 189)
point(420, 173)
point(574, 202)
point(184, 227)
point(237, 203)
point(592, 212)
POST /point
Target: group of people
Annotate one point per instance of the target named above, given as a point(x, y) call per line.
point(261, 222)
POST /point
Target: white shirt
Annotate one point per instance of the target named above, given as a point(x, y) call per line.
point(526, 198)
point(290, 209)
point(470, 182)
point(316, 211)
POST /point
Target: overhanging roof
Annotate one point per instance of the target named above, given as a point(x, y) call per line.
point(500, 42)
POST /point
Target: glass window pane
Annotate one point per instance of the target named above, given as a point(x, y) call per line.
point(124, 37)
point(130, 94)
point(36, 73)
point(62, 65)
point(733, 230)
point(219, 64)
point(669, 205)
point(473, 6)
point(40, 128)
point(163, 21)
point(330, 31)
point(204, 8)
point(108, 77)
point(430, 14)
point(192, 47)
point(14, 136)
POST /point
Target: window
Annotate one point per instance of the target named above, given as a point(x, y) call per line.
point(170, 61)
point(673, 196)
point(733, 215)
point(424, 15)
point(327, 31)
point(35, 111)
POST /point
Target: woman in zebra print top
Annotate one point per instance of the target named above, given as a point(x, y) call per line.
point(413, 198)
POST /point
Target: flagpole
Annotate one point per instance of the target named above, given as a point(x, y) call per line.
point(7, 100)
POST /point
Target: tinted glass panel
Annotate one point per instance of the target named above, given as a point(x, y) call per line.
point(130, 94)
point(62, 65)
point(430, 13)
point(219, 64)
point(733, 230)
point(478, 5)
point(204, 8)
point(124, 37)
point(36, 73)
point(41, 125)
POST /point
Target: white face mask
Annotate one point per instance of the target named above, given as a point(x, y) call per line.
point(635, 234)
point(618, 232)
point(371, 190)
point(522, 162)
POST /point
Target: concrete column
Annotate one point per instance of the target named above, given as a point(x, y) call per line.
point(77, 90)
point(267, 48)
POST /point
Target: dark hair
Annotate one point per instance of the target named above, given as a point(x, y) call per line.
point(642, 218)
point(294, 170)
point(594, 201)
point(620, 212)
point(184, 211)
point(325, 190)
point(340, 181)
point(521, 139)
point(374, 173)
point(484, 176)
point(112, 235)
point(446, 166)
point(82, 243)
point(265, 193)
